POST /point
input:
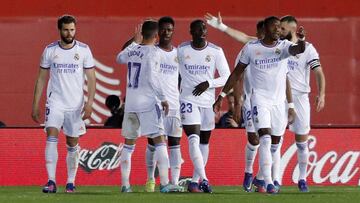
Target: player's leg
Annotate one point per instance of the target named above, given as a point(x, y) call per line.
point(276, 143)
point(155, 130)
point(191, 121)
point(174, 132)
point(278, 126)
point(251, 147)
point(130, 131)
point(301, 128)
point(150, 166)
point(204, 148)
point(53, 123)
point(73, 127)
point(207, 125)
point(262, 122)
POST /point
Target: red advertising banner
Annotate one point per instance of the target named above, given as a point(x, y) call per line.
point(334, 158)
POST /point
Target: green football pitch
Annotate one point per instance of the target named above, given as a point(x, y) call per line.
point(108, 194)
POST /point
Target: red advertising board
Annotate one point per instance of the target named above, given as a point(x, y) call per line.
point(333, 159)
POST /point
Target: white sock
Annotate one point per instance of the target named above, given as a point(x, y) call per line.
point(196, 156)
point(275, 155)
point(175, 163)
point(250, 154)
point(72, 162)
point(204, 148)
point(125, 163)
point(259, 175)
point(150, 162)
point(51, 157)
point(303, 156)
point(265, 158)
point(162, 160)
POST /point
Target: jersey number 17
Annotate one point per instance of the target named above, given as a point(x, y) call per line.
point(133, 74)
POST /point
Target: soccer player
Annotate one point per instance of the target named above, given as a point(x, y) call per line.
point(299, 74)
point(142, 112)
point(169, 75)
point(199, 59)
point(67, 60)
point(266, 58)
point(253, 139)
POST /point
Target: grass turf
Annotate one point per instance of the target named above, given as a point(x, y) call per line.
point(108, 194)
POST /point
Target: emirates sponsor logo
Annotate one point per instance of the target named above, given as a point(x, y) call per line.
point(330, 167)
point(106, 157)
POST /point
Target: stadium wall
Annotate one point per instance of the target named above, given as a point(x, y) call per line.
point(183, 8)
point(336, 39)
point(333, 160)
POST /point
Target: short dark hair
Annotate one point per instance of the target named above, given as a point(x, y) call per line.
point(289, 19)
point(260, 25)
point(269, 20)
point(166, 19)
point(194, 23)
point(112, 102)
point(65, 19)
point(149, 29)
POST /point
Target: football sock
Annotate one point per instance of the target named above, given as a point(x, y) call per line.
point(72, 162)
point(162, 160)
point(125, 163)
point(250, 154)
point(265, 158)
point(175, 163)
point(51, 156)
point(196, 156)
point(150, 163)
point(303, 156)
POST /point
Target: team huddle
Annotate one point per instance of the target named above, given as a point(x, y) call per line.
point(172, 89)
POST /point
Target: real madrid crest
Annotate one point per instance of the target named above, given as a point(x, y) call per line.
point(208, 58)
point(76, 57)
point(277, 51)
point(176, 59)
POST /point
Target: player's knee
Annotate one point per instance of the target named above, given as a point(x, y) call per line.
point(275, 139)
point(173, 141)
point(253, 139)
point(205, 137)
point(72, 141)
point(264, 131)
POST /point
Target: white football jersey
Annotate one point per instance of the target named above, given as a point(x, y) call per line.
point(169, 69)
point(268, 70)
point(65, 86)
point(143, 82)
point(299, 69)
point(199, 65)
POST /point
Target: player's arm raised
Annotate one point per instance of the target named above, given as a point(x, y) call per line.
point(39, 86)
point(299, 47)
point(136, 39)
point(216, 22)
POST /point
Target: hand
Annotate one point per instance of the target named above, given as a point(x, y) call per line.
point(35, 114)
point(237, 113)
point(232, 122)
point(215, 22)
point(200, 88)
point(301, 33)
point(291, 115)
point(165, 106)
point(217, 105)
point(87, 110)
point(137, 34)
point(320, 103)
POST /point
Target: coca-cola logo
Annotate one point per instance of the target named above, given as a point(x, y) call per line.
point(330, 167)
point(106, 157)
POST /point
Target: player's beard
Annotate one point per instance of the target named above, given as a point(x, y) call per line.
point(66, 40)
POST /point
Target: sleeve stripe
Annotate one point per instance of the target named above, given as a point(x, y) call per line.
point(89, 67)
point(44, 67)
point(314, 63)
